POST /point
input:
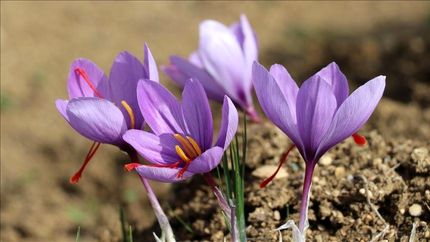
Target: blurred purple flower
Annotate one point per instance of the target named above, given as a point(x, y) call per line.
point(181, 143)
point(319, 114)
point(102, 108)
point(223, 63)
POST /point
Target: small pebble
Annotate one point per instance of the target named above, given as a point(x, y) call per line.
point(362, 191)
point(415, 210)
point(339, 172)
point(336, 193)
point(277, 215)
point(402, 211)
point(326, 160)
point(315, 179)
point(377, 161)
point(268, 170)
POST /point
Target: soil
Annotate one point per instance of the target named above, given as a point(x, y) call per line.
point(40, 151)
point(395, 172)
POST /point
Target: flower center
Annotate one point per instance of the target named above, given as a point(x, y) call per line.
point(130, 113)
point(188, 152)
point(82, 73)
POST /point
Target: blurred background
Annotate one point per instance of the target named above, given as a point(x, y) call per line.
point(39, 40)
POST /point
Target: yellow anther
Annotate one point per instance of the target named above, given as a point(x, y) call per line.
point(181, 154)
point(186, 145)
point(130, 113)
point(195, 145)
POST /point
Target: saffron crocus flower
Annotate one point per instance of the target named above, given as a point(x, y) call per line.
point(181, 143)
point(223, 63)
point(102, 108)
point(318, 115)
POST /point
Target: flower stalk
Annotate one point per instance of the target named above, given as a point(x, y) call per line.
point(305, 197)
point(163, 221)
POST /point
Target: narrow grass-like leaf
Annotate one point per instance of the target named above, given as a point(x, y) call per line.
point(130, 234)
point(122, 219)
point(227, 177)
point(181, 221)
point(78, 234)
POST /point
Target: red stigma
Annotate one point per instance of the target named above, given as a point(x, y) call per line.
point(359, 139)
point(183, 170)
point(281, 162)
point(131, 166)
point(75, 178)
point(81, 72)
point(173, 165)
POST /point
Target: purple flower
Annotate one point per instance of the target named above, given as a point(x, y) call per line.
point(181, 143)
point(316, 116)
point(102, 108)
point(320, 114)
point(223, 62)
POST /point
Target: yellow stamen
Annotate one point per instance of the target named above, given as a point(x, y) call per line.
point(186, 145)
point(130, 113)
point(195, 145)
point(181, 154)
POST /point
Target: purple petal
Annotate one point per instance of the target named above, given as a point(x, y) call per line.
point(236, 28)
point(206, 161)
point(197, 113)
point(222, 57)
point(249, 46)
point(162, 174)
point(155, 149)
point(79, 87)
point(337, 80)
point(287, 86)
point(150, 65)
point(353, 113)
point(229, 123)
point(182, 70)
point(316, 105)
point(61, 107)
point(274, 103)
point(161, 110)
point(97, 119)
point(124, 76)
point(196, 60)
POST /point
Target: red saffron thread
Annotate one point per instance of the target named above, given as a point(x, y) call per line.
point(81, 72)
point(93, 149)
point(131, 166)
point(183, 170)
point(173, 165)
point(281, 162)
point(359, 139)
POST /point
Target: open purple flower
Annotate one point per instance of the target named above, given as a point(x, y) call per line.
point(223, 62)
point(319, 114)
point(181, 143)
point(102, 108)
